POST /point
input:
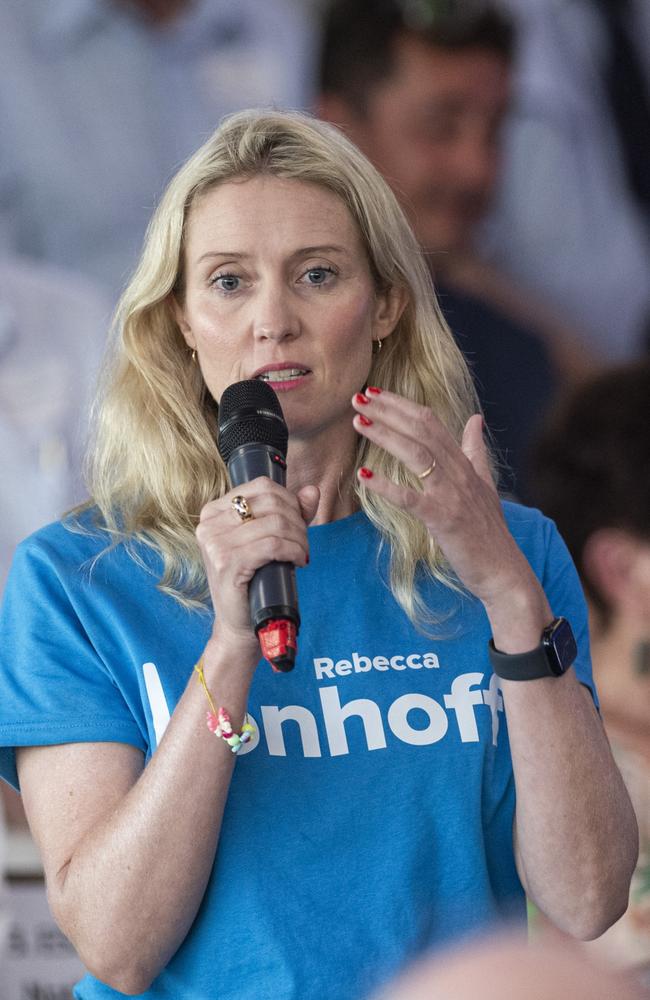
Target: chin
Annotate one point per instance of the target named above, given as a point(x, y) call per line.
point(299, 424)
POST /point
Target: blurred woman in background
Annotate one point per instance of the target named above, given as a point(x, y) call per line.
point(592, 476)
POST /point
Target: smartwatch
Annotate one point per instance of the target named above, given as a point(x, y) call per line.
point(556, 652)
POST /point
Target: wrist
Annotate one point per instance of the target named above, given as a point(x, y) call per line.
point(219, 719)
point(552, 657)
point(231, 656)
point(225, 677)
point(518, 617)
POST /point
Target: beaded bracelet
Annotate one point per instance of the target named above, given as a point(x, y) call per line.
point(218, 720)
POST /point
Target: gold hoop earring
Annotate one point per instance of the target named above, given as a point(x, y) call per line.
point(376, 347)
point(193, 356)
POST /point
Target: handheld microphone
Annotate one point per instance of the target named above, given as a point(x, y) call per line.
point(252, 441)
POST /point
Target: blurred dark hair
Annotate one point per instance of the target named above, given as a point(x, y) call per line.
point(358, 38)
point(591, 464)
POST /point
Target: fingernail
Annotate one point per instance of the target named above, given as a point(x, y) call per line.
point(365, 473)
point(373, 389)
point(361, 399)
point(364, 420)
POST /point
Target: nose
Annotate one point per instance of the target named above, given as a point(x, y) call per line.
point(275, 317)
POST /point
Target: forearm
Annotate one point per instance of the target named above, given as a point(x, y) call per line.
point(133, 885)
point(576, 832)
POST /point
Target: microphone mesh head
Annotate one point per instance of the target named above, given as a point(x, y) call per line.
point(250, 413)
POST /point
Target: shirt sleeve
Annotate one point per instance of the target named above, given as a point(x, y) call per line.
point(54, 686)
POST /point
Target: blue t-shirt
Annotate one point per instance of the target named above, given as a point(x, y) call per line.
point(371, 817)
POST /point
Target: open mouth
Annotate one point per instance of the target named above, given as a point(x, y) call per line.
point(282, 375)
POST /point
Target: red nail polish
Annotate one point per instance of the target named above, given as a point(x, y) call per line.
point(365, 473)
point(364, 420)
point(361, 399)
point(373, 389)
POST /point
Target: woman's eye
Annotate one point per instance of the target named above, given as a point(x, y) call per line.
point(226, 282)
point(318, 275)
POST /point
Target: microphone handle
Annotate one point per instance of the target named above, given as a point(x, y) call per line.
point(272, 592)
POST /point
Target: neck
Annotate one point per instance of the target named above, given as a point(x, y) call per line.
point(328, 462)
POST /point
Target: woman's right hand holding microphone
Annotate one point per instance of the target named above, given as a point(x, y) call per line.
point(232, 550)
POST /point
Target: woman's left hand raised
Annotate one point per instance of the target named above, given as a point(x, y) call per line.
point(458, 501)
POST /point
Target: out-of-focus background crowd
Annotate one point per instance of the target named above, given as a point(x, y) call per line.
point(516, 135)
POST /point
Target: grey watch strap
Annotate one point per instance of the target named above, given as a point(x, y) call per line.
point(520, 666)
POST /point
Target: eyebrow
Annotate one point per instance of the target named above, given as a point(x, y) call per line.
point(302, 252)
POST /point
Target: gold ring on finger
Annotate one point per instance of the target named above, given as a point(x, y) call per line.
point(240, 506)
point(427, 472)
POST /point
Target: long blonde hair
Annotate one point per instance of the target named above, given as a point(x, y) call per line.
point(154, 463)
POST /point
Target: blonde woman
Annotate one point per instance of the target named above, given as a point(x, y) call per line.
point(369, 812)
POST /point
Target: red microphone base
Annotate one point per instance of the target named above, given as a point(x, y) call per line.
point(278, 644)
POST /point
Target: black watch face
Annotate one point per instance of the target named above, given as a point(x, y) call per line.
point(561, 646)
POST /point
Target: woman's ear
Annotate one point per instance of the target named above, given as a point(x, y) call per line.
point(611, 559)
point(179, 315)
point(389, 307)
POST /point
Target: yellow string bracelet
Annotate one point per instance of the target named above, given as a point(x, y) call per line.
point(219, 722)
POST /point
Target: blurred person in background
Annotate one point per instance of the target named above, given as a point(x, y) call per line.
point(510, 968)
point(571, 220)
point(592, 476)
point(52, 332)
point(101, 100)
point(423, 89)
point(53, 327)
